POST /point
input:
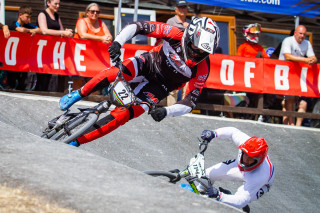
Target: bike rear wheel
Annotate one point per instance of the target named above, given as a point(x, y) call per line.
point(75, 128)
point(167, 175)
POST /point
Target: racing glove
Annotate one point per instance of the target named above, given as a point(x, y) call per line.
point(213, 192)
point(158, 114)
point(114, 51)
point(208, 135)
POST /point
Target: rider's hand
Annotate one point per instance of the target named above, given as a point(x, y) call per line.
point(213, 192)
point(208, 135)
point(159, 113)
point(114, 51)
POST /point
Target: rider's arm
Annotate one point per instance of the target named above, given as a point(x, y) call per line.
point(239, 200)
point(150, 29)
point(233, 133)
point(193, 91)
point(253, 188)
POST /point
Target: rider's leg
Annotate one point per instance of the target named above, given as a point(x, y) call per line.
point(225, 171)
point(107, 76)
point(100, 81)
point(119, 116)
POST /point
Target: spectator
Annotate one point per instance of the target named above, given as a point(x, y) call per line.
point(91, 27)
point(296, 48)
point(180, 21)
point(251, 48)
point(5, 29)
point(22, 25)
point(50, 24)
point(276, 52)
point(3, 74)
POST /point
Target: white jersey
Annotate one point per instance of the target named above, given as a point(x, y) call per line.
point(290, 45)
point(256, 182)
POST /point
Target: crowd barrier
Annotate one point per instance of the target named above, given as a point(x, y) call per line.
point(69, 56)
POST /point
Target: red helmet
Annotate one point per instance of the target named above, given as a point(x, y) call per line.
point(251, 32)
point(256, 148)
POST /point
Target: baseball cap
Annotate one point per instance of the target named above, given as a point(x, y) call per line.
point(181, 3)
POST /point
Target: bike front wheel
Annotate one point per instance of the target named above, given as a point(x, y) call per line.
point(75, 128)
point(165, 175)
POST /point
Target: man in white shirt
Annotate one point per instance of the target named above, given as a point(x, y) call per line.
point(296, 48)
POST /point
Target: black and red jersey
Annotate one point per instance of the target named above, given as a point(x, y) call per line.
point(168, 62)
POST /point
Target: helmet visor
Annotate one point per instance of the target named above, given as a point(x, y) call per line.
point(255, 29)
point(195, 54)
point(248, 162)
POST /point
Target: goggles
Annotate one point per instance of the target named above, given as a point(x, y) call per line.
point(196, 54)
point(255, 29)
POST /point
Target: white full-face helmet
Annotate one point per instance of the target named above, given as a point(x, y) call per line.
point(200, 39)
point(251, 32)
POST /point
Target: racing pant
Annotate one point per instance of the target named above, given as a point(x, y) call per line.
point(135, 70)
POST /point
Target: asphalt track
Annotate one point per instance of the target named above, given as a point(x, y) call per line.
point(106, 175)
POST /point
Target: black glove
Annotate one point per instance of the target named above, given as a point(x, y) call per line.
point(213, 192)
point(114, 51)
point(158, 114)
point(208, 135)
point(225, 191)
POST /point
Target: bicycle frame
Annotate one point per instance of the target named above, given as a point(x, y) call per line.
point(120, 94)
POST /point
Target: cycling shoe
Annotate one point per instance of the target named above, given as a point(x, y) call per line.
point(68, 100)
point(74, 143)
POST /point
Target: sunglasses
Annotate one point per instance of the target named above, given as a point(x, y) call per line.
point(94, 11)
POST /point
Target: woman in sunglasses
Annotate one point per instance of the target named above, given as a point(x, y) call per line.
point(91, 27)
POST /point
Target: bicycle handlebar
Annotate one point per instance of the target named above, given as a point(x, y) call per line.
point(204, 143)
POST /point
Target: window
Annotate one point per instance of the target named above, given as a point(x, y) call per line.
point(11, 14)
point(127, 17)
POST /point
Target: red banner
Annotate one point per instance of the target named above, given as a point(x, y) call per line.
point(69, 56)
point(263, 76)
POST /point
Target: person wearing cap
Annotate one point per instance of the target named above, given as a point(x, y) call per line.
point(180, 21)
point(252, 167)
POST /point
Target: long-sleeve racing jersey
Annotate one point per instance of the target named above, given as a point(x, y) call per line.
point(256, 182)
point(168, 62)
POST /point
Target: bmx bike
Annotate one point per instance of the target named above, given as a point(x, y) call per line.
point(71, 125)
point(195, 173)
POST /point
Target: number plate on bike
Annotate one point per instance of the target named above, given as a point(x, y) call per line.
point(122, 95)
point(196, 166)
